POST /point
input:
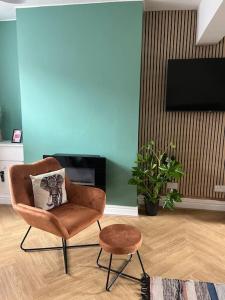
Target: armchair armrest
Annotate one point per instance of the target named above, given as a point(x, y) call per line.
point(87, 196)
point(41, 219)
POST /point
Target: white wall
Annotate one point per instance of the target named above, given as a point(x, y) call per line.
point(211, 21)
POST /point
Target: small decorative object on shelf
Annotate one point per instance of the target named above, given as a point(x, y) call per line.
point(153, 170)
point(17, 136)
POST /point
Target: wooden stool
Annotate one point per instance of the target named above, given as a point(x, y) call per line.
point(120, 239)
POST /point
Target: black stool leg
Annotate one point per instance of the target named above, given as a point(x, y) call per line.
point(142, 266)
point(120, 271)
point(65, 255)
point(145, 281)
point(109, 270)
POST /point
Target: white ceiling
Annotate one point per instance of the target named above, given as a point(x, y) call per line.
point(8, 11)
point(171, 4)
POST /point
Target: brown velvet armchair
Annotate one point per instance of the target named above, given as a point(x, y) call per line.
point(85, 206)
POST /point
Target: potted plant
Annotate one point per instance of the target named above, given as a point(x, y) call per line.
point(152, 171)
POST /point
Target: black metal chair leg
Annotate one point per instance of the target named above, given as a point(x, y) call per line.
point(65, 255)
point(53, 248)
point(36, 249)
point(21, 244)
point(64, 246)
point(109, 270)
point(99, 226)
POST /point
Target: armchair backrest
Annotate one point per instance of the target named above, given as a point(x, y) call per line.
point(20, 183)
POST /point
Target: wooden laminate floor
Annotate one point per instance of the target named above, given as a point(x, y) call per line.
point(182, 244)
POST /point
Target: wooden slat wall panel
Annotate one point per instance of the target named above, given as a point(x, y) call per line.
point(199, 136)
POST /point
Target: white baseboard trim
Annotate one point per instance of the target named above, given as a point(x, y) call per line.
point(205, 204)
point(109, 209)
point(5, 200)
point(121, 210)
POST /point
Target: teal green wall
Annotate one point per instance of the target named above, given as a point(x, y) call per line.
point(80, 77)
point(9, 79)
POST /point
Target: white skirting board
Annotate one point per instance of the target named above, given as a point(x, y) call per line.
point(119, 210)
point(5, 200)
point(205, 204)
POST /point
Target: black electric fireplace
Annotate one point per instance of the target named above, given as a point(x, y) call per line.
point(84, 169)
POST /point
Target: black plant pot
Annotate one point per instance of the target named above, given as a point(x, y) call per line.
point(151, 208)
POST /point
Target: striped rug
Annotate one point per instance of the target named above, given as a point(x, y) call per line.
point(157, 288)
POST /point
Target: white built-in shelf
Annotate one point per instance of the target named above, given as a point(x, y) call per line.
point(10, 154)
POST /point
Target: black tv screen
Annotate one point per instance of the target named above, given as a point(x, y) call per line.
point(196, 85)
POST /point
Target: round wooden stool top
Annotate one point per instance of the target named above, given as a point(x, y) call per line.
point(120, 239)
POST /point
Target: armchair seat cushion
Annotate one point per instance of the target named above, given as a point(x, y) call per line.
point(75, 217)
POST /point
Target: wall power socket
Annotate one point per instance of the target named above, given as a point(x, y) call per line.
point(219, 188)
point(141, 199)
point(172, 185)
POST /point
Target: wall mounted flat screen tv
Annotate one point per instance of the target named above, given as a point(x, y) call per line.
point(196, 85)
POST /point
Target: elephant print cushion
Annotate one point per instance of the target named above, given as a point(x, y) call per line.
point(49, 189)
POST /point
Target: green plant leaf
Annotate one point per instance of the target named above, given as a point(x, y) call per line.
point(171, 197)
point(152, 170)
